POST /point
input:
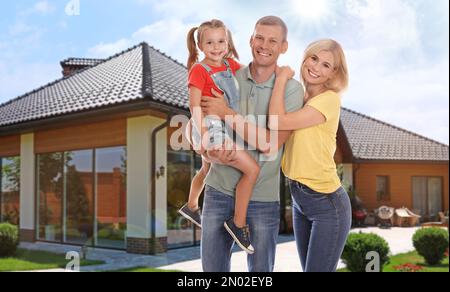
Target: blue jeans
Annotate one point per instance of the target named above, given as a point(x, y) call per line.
point(216, 244)
point(321, 225)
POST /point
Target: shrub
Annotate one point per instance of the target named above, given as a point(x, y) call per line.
point(9, 239)
point(358, 245)
point(431, 244)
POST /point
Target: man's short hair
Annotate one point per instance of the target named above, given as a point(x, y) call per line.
point(274, 20)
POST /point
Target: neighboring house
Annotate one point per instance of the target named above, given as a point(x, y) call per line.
point(87, 159)
point(394, 167)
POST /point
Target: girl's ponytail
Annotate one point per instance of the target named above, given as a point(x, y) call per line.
point(232, 52)
point(192, 47)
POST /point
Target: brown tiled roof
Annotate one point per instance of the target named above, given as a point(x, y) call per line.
point(371, 139)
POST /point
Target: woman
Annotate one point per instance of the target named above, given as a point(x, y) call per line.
point(322, 212)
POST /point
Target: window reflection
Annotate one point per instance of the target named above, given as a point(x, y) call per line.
point(50, 195)
point(179, 175)
point(10, 190)
point(110, 171)
point(79, 198)
point(71, 194)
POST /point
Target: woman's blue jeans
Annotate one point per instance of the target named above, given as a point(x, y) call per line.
point(321, 225)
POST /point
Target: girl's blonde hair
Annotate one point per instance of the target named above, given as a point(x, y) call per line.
point(339, 82)
point(192, 44)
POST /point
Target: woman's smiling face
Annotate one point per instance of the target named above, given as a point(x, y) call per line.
point(318, 68)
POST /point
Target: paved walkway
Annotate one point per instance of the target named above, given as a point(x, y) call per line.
point(188, 259)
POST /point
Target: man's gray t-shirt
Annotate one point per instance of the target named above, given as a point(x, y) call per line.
point(255, 100)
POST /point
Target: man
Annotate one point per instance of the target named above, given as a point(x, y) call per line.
point(256, 82)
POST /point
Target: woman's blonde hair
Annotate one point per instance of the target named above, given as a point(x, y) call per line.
point(339, 82)
point(192, 44)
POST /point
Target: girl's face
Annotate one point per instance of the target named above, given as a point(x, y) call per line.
point(214, 44)
point(319, 68)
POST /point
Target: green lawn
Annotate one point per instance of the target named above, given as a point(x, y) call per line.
point(26, 260)
point(413, 258)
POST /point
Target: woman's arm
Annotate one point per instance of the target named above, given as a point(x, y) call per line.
point(258, 137)
point(279, 120)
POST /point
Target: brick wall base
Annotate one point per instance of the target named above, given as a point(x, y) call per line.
point(27, 235)
point(146, 245)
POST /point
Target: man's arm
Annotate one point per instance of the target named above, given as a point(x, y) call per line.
point(257, 137)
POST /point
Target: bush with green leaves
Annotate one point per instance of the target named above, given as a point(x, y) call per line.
point(357, 247)
point(9, 239)
point(431, 244)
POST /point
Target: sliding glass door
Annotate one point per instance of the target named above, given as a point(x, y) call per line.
point(110, 178)
point(50, 186)
point(182, 166)
point(78, 197)
point(82, 197)
point(427, 196)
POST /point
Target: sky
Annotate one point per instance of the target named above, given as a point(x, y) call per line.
point(397, 50)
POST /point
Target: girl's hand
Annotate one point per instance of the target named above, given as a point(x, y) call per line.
point(284, 72)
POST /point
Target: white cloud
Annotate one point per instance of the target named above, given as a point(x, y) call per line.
point(388, 24)
point(166, 35)
point(40, 8)
point(20, 77)
point(392, 77)
point(43, 7)
point(19, 74)
point(104, 50)
point(19, 28)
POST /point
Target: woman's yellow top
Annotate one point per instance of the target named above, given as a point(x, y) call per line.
point(309, 153)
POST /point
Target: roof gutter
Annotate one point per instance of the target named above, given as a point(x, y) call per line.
point(153, 183)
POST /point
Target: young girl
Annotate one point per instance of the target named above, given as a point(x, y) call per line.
point(216, 72)
point(322, 212)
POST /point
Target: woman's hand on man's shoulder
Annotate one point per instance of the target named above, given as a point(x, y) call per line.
point(284, 72)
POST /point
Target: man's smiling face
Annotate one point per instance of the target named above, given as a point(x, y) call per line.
point(267, 45)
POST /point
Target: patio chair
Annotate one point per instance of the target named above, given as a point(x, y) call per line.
point(401, 218)
point(404, 217)
point(442, 223)
point(415, 217)
point(385, 216)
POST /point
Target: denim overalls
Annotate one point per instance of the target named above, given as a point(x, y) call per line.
point(226, 82)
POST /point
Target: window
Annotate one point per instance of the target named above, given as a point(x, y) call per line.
point(110, 180)
point(81, 197)
point(427, 196)
point(10, 190)
point(383, 191)
point(50, 178)
point(182, 166)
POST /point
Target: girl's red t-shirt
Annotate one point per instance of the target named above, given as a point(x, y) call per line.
point(200, 78)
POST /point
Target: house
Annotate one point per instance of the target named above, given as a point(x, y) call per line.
point(387, 165)
point(87, 159)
